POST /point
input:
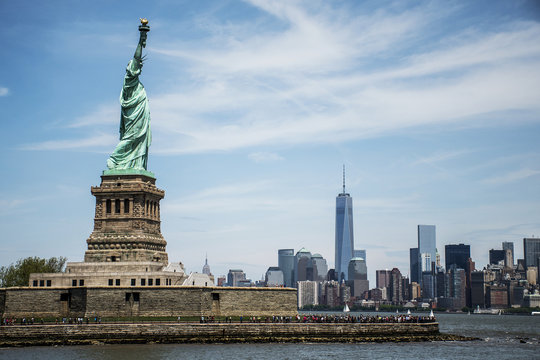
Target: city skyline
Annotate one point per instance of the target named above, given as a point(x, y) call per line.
point(255, 105)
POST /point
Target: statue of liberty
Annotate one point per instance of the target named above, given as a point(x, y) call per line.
point(135, 136)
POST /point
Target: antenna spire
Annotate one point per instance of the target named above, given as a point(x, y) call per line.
point(344, 178)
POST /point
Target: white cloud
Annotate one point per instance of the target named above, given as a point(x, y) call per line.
point(261, 157)
point(326, 75)
point(4, 91)
point(441, 156)
point(512, 176)
point(101, 141)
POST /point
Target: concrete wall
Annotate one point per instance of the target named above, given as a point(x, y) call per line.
point(145, 301)
point(208, 333)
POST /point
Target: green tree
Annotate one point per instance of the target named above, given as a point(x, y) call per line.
point(18, 274)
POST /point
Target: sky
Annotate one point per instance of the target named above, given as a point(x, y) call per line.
point(432, 106)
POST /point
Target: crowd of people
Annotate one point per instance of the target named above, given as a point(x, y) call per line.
point(304, 318)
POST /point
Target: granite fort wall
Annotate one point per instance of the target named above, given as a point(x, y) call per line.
point(208, 333)
point(144, 301)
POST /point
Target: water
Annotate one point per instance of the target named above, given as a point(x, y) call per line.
point(503, 337)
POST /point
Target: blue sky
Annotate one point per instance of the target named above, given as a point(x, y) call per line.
point(433, 107)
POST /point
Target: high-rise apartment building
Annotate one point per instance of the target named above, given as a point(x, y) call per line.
point(308, 293)
point(286, 264)
point(456, 255)
point(344, 233)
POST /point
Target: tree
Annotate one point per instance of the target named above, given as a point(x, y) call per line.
point(18, 274)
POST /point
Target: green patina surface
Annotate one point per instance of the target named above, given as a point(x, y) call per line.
point(135, 135)
point(129, 172)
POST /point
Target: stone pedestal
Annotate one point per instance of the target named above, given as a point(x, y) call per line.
point(127, 220)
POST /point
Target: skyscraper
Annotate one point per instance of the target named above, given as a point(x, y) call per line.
point(456, 254)
point(531, 252)
point(414, 259)
point(344, 233)
point(357, 274)
point(320, 267)
point(427, 249)
point(303, 268)
point(206, 267)
point(286, 264)
point(508, 245)
point(383, 278)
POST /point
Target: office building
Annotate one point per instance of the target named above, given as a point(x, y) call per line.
point(344, 233)
point(273, 276)
point(508, 245)
point(360, 254)
point(414, 259)
point(235, 276)
point(286, 264)
point(495, 256)
point(427, 249)
point(382, 278)
point(456, 255)
point(320, 268)
point(357, 275)
point(531, 252)
point(303, 269)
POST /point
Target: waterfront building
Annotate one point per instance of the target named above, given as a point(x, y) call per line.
point(456, 287)
point(235, 276)
point(286, 264)
point(344, 242)
point(274, 276)
point(508, 245)
point(357, 275)
point(456, 255)
point(307, 293)
point(497, 296)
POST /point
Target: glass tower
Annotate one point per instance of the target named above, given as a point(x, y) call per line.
point(344, 233)
point(286, 264)
point(426, 246)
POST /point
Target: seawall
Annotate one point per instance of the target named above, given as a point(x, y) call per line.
point(217, 333)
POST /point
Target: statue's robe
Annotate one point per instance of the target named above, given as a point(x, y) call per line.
point(135, 136)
